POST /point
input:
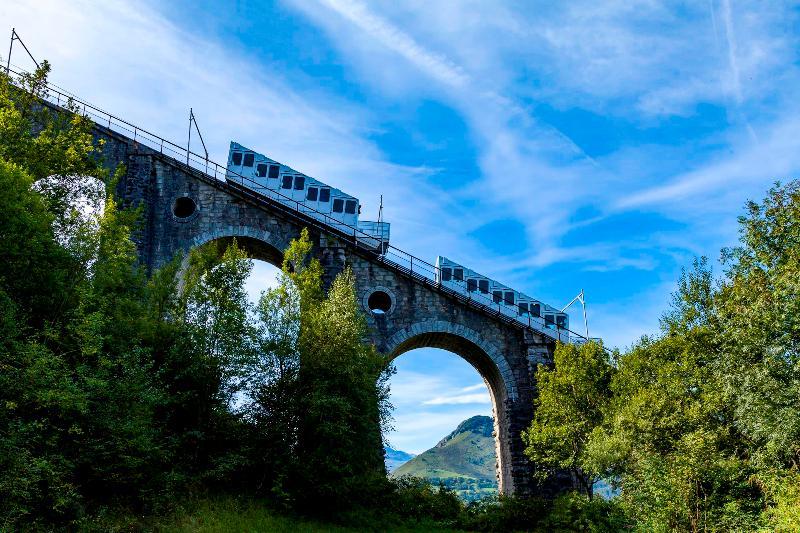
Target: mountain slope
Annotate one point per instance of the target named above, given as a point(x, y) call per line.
point(467, 452)
point(395, 458)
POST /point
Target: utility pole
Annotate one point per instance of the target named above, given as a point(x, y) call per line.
point(15, 37)
point(580, 298)
point(192, 119)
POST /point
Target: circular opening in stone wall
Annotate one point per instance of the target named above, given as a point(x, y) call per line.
point(184, 207)
point(379, 302)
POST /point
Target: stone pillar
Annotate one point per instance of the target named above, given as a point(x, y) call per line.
point(333, 258)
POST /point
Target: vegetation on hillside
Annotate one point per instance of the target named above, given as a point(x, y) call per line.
point(463, 461)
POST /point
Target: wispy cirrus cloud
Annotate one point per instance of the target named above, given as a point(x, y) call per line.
point(465, 395)
point(690, 96)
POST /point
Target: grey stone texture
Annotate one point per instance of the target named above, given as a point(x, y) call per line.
point(505, 355)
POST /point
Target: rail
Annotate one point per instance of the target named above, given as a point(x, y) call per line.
point(411, 266)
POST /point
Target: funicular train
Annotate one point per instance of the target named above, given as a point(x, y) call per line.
point(508, 301)
point(304, 193)
point(335, 208)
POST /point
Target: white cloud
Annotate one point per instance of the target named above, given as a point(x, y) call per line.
point(460, 399)
point(749, 170)
point(421, 429)
point(437, 66)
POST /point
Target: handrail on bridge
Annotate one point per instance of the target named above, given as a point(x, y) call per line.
point(415, 267)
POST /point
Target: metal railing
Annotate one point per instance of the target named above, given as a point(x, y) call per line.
point(407, 264)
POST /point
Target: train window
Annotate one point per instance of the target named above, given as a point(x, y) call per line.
point(447, 274)
point(350, 207)
point(338, 205)
point(472, 285)
point(299, 183)
point(497, 296)
point(509, 299)
point(261, 170)
point(458, 274)
point(237, 158)
point(483, 286)
point(274, 170)
point(523, 308)
point(324, 195)
point(548, 321)
point(536, 310)
point(312, 194)
point(286, 182)
point(561, 321)
point(249, 159)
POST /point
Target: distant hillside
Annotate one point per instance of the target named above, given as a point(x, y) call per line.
point(464, 460)
point(396, 458)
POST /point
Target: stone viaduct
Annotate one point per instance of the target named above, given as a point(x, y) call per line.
point(185, 206)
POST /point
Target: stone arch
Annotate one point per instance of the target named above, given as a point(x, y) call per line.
point(490, 364)
point(258, 243)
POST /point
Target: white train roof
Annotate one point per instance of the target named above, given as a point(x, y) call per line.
point(442, 261)
point(284, 169)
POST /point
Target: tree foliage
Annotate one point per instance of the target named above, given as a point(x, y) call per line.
point(701, 429)
point(569, 405)
point(119, 388)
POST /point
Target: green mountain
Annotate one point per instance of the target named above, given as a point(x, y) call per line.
point(464, 460)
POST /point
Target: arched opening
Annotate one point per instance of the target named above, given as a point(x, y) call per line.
point(267, 260)
point(184, 207)
point(443, 376)
point(256, 249)
point(379, 302)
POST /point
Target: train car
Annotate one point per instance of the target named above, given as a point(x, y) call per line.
point(280, 182)
point(506, 300)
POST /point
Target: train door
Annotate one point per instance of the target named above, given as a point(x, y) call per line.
point(293, 186)
point(267, 174)
point(261, 173)
point(344, 208)
point(312, 196)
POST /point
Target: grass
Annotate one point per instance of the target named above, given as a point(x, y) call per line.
point(232, 515)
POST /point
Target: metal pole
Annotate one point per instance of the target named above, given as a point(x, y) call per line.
point(15, 37)
point(26, 49)
point(189, 143)
point(585, 321)
point(10, 47)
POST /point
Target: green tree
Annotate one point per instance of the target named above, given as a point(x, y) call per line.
point(569, 406)
point(274, 388)
point(758, 310)
point(313, 345)
point(217, 313)
point(100, 378)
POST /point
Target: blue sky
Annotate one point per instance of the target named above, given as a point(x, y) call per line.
point(552, 146)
